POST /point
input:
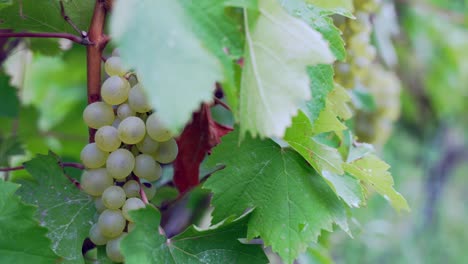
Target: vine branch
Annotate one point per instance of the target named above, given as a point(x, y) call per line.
point(94, 54)
point(74, 38)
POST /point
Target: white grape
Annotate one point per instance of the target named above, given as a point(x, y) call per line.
point(94, 182)
point(156, 129)
point(107, 138)
point(147, 168)
point(132, 188)
point(113, 249)
point(131, 130)
point(98, 114)
point(132, 204)
point(111, 223)
point(120, 163)
point(100, 207)
point(113, 66)
point(167, 151)
point(124, 111)
point(147, 145)
point(138, 100)
point(93, 157)
point(96, 236)
point(115, 90)
point(113, 197)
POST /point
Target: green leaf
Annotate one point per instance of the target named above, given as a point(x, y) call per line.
point(10, 102)
point(326, 161)
point(63, 209)
point(343, 7)
point(321, 83)
point(372, 170)
point(172, 62)
point(274, 84)
point(347, 188)
point(338, 100)
point(22, 240)
point(221, 245)
point(291, 202)
point(44, 15)
point(327, 121)
point(319, 19)
point(220, 29)
point(320, 156)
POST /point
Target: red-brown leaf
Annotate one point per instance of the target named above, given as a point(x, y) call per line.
point(197, 140)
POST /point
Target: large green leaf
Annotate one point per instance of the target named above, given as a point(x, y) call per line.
point(320, 156)
point(291, 202)
point(63, 209)
point(220, 29)
point(325, 159)
point(22, 240)
point(220, 245)
point(172, 62)
point(373, 171)
point(320, 20)
point(279, 47)
point(44, 15)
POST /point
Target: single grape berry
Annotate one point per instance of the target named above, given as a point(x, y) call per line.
point(147, 168)
point(94, 182)
point(93, 157)
point(167, 151)
point(113, 66)
point(113, 197)
point(157, 129)
point(131, 130)
point(138, 100)
point(120, 164)
point(111, 223)
point(107, 138)
point(131, 188)
point(115, 90)
point(96, 236)
point(98, 114)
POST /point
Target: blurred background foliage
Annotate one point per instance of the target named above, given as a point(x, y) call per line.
point(425, 41)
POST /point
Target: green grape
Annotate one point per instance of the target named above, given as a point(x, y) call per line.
point(120, 164)
point(98, 114)
point(130, 226)
point(131, 130)
point(147, 145)
point(107, 138)
point(100, 207)
point(113, 249)
point(167, 151)
point(147, 168)
point(111, 223)
point(113, 197)
point(156, 129)
point(138, 100)
point(149, 189)
point(115, 90)
point(113, 66)
point(132, 188)
point(94, 182)
point(131, 204)
point(96, 236)
point(93, 157)
point(124, 111)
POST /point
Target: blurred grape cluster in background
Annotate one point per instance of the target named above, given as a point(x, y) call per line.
point(426, 42)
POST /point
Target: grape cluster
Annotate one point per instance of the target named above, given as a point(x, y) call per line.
point(131, 143)
point(361, 70)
